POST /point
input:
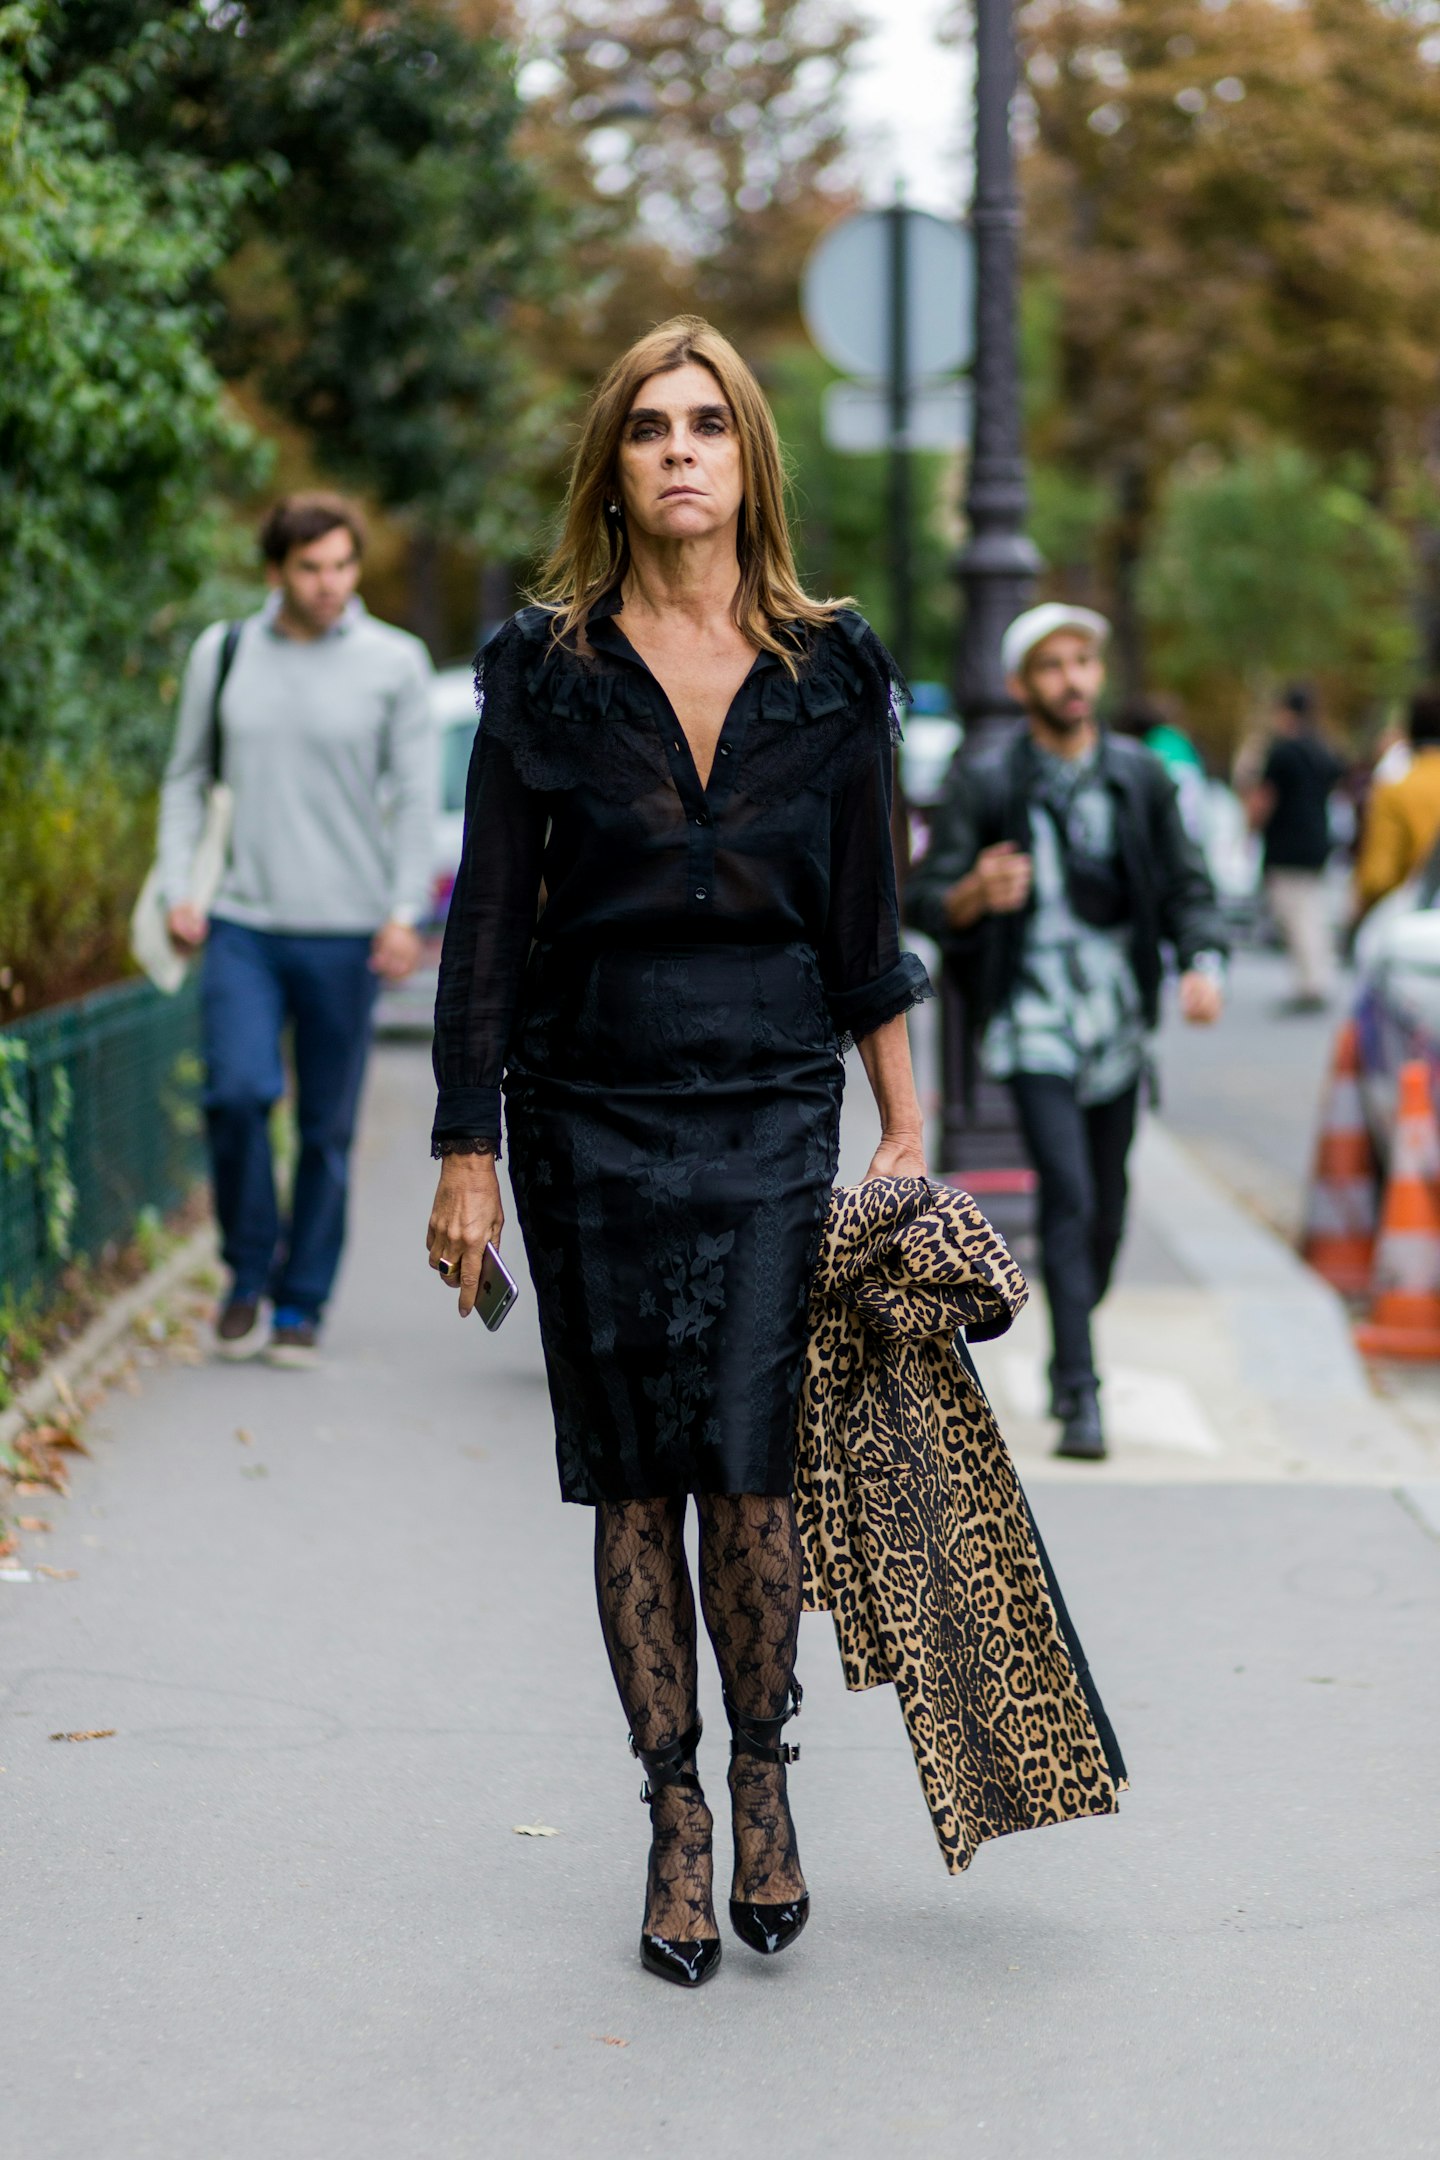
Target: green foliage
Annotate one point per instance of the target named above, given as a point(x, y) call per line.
point(1276, 565)
point(1232, 239)
point(1069, 507)
point(1068, 512)
point(22, 1348)
point(1238, 209)
point(75, 839)
point(370, 295)
point(313, 201)
point(24, 1146)
point(113, 423)
point(839, 514)
point(705, 143)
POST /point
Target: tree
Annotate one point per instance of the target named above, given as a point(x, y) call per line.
point(839, 507)
point(370, 293)
point(113, 421)
point(703, 139)
point(1238, 209)
point(1270, 566)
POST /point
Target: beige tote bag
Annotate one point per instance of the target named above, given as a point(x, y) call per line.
point(150, 941)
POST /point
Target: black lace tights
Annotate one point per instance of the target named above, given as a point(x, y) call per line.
point(750, 1585)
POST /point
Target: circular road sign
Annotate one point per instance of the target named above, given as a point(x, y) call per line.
point(845, 293)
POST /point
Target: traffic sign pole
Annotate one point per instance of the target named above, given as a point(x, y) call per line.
point(901, 574)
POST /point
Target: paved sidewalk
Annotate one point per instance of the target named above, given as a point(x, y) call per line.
point(284, 1915)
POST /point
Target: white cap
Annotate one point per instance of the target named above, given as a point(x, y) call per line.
point(1037, 623)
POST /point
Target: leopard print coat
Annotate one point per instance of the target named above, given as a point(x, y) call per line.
point(915, 1531)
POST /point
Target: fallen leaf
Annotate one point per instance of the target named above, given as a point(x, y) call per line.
point(58, 1574)
point(26, 1489)
point(534, 1829)
point(244, 1436)
point(255, 1470)
point(32, 1522)
point(100, 1732)
point(8, 1545)
point(59, 1436)
point(66, 1393)
point(610, 2040)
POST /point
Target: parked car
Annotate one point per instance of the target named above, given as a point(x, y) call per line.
point(408, 1008)
point(933, 733)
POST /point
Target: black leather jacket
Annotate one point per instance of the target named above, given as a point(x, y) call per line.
point(1171, 899)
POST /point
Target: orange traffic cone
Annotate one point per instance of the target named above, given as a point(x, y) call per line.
point(1339, 1237)
point(1405, 1317)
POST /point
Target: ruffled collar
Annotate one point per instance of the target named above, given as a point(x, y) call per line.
point(571, 687)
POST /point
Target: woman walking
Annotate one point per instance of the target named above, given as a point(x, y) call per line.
point(692, 759)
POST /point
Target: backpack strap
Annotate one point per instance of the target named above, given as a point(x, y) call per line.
point(227, 660)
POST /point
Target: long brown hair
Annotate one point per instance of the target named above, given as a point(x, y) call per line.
point(593, 552)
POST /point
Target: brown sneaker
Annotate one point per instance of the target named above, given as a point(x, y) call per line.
point(238, 1333)
point(294, 1343)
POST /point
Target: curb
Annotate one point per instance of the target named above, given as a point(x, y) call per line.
point(61, 1376)
point(1291, 1330)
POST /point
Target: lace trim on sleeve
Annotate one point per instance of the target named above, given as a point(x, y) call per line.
point(904, 999)
point(463, 1144)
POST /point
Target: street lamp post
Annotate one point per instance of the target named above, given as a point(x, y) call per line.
point(996, 567)
point(998, 563)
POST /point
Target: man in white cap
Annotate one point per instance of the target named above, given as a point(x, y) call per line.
point(1058, 869)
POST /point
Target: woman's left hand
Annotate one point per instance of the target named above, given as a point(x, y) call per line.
point(898, 1155)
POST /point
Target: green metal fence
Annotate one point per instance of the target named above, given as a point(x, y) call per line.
point(100, 1119)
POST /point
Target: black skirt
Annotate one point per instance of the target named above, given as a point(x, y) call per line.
point(673, 1124)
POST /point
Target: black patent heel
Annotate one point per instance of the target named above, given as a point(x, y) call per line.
point(767, 1928)
point(686, 1964)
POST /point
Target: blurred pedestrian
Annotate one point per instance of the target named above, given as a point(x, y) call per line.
point(1058, 866)
point(325, 738)
point(1167, 740)
point(1290, 808)
point(1402, 817)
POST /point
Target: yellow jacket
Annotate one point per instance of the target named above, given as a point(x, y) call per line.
point(1402, 824)
point(915, 1532)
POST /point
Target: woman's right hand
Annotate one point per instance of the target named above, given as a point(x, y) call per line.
point(467, 1216)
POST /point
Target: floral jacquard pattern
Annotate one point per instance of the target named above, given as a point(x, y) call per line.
point(672, 1148)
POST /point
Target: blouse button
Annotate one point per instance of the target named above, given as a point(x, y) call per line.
point(701, 893)
point(700, 818)
point(724, 749)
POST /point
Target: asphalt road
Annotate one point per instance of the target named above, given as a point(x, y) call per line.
point(1244, 1095)
point(284, 1914)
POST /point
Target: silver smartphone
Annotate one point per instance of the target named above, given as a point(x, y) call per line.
point(498, 1289)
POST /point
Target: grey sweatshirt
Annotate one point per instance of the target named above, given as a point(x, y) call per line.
point(331, 751)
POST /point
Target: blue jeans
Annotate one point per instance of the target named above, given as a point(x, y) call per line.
point(254, 982)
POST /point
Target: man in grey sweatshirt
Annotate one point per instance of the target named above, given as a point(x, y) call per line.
point(327, 742)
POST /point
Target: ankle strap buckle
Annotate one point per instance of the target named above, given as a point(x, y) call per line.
point(664, 1766)
point(760, 1736)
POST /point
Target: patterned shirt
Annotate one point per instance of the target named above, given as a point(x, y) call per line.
point(1075, 1010)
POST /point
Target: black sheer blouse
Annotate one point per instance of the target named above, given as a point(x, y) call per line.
point(581, 780)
